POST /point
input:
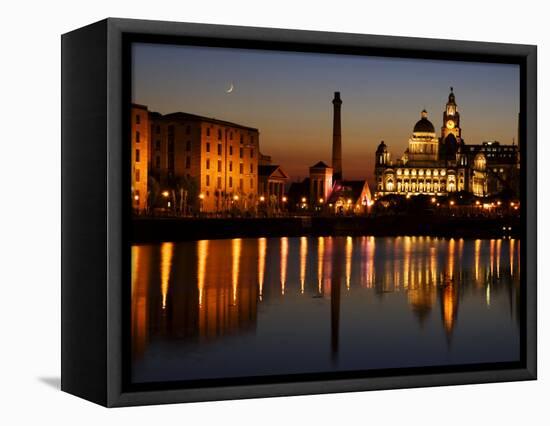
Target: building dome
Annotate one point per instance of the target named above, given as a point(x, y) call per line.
point(424, 125)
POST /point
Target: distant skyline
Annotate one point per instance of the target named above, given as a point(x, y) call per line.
point(288, 97)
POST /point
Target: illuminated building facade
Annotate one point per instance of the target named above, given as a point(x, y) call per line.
point(211, 162)
point(443, 165)
point(271, 185)
point(320, 182)
point(139, 156)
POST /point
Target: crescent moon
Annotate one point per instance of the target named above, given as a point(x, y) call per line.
point(231, 87)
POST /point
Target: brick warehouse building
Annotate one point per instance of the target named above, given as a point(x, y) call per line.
point(188, 160)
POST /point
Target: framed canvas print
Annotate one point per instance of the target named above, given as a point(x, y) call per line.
point(252, 212)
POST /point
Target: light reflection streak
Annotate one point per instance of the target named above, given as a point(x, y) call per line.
point(433, 266)
point(370, 262)
point(491, 255)
point(499, 246)
point(477, 252)
point(303, 263)
point(451, 260)
point(202, 254)
point(349, 254)
point(262, 249)
point(512, 244)
point(320, 259)
point(236, 257)
point(284, 260)
point(166, 253)
point(406, 261)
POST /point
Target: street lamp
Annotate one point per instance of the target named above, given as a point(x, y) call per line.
point(321, 201)
point(452, 203)
point(165, 194)
point(262, 198)
point(303, 199)
point(284, 199)
point(236, 198)
point(136, 197)
point(201, 196)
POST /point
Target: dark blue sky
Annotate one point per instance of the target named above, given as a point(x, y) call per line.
point(287, 96)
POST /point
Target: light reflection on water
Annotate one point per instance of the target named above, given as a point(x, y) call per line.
point(246, 307)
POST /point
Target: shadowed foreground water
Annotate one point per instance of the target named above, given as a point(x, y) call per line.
point(264, 306)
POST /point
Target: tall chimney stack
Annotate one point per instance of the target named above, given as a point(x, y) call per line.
point(337, 138)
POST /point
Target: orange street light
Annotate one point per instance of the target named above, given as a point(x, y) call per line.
point(303, 199)
point(165, 194)
point(321, 201)
point(452, 203)
point(433, 200)
point(236, 198)
point(136, 197)
point(284, 199)
point(201, 196)
point(262, 198)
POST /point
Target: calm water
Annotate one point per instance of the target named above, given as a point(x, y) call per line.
point(248, 307)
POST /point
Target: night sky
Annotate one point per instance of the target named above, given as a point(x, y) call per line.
point(287, 96)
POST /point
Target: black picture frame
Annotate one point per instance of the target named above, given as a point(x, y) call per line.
point(95, 215)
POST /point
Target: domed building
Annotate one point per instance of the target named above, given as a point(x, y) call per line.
point(441, 165)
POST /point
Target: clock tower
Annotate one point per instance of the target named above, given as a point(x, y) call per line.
point(451, 121)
